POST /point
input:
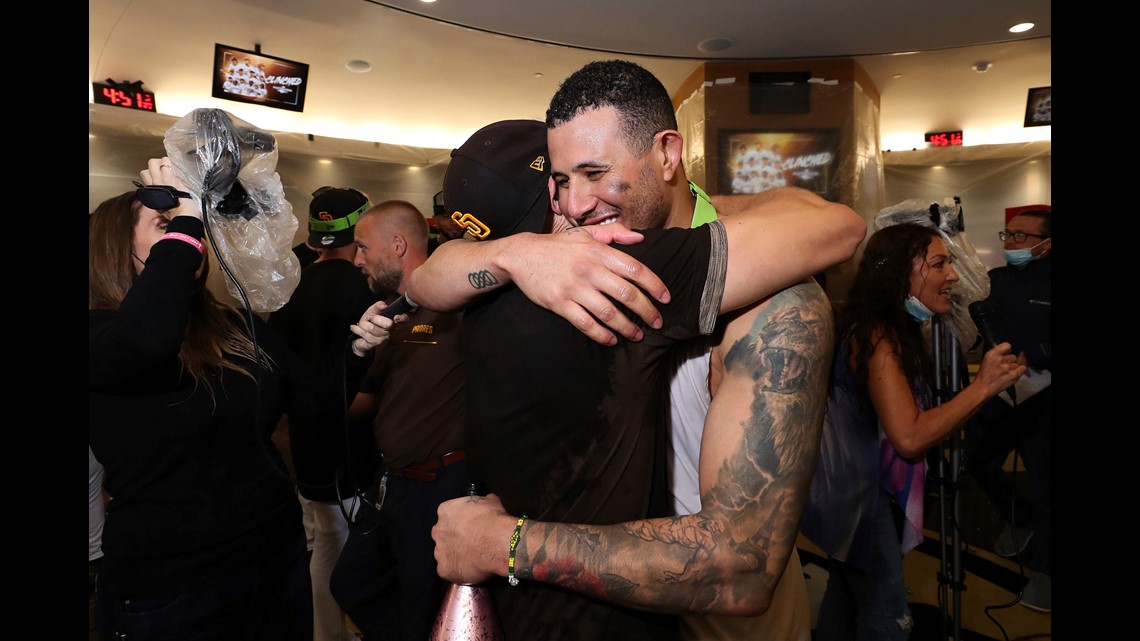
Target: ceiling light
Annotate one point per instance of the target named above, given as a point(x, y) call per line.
point(1021, 27)
point(715, 44)
point(359, 66)
point(983, 66)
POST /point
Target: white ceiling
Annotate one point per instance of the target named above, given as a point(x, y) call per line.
point(444, 69)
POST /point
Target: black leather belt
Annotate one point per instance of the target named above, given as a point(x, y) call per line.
point(425, 471)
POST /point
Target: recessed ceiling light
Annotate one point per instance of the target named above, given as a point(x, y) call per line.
point(1020, 27)
point(359, 66)
point(983, 66)
point(538, 74)
point(427, 1)
point(897, 76)
point(715, 44)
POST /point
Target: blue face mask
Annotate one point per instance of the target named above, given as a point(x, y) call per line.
point(1020, 257)
point(917, 310)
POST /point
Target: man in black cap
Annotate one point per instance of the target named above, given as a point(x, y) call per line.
point(560, 427)
point(331, 295)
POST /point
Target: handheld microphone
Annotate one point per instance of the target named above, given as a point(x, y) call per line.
point(399, 306)
point(984, 315)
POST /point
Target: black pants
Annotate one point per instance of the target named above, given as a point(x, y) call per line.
point(272, 600)
point(385, 579)
point(995, 431)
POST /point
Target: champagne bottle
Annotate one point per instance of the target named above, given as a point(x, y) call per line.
point(467, 612)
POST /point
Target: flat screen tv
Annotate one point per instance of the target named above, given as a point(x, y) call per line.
point(752, 161)
point(257, 79)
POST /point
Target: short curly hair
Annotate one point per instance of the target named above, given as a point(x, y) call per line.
point(641, 101)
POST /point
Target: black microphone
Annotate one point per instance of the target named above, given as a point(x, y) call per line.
point(399, 306)
point(984, 316)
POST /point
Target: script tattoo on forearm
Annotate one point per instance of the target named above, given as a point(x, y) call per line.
point(482, 279)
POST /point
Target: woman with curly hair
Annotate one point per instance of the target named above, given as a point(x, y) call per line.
point(866, 501)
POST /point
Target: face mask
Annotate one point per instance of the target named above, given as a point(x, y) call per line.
point(1020, 256)
point(917, 310)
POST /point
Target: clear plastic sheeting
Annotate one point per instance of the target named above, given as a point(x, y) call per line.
point(231, 166)
point(974, 280)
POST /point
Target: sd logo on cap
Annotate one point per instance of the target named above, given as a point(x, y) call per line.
point(333, 213)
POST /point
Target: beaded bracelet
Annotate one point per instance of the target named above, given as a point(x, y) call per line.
point(183, 237)
point(511, 578)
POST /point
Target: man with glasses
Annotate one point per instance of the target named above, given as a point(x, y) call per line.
point(1021, 295)
point(1019, 237)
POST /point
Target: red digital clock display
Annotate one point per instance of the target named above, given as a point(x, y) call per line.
point(128, 96)
point(944, 138)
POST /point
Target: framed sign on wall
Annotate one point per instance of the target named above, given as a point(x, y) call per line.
point(750, 162)
point(1039, 107)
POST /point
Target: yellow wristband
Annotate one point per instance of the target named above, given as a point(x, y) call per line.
point(511, 578)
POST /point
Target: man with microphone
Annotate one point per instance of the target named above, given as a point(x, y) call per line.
point(414, 396)
point(1019, 310)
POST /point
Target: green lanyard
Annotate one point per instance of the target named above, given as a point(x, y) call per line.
point(704, 212)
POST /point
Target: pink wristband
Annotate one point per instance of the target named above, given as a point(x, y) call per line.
point(183, 237)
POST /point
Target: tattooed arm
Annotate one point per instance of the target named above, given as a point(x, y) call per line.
point(573, 273)
point(758, 455)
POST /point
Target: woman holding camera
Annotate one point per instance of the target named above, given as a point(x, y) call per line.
point(203, 536)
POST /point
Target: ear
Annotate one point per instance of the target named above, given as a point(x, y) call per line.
point(552, 188)
point(669, 144)
point(399, 245)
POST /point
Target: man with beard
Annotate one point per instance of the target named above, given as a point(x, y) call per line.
point(385, 578)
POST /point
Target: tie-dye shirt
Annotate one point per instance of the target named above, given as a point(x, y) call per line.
point(856, 461)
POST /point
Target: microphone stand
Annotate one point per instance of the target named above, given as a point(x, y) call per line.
point(948, 381)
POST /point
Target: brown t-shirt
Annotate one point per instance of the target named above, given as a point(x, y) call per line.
point(421, 381)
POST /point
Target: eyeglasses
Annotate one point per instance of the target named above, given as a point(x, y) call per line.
point(1018, 236)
